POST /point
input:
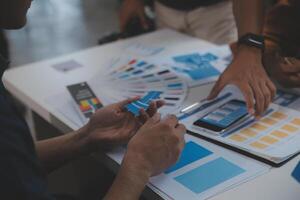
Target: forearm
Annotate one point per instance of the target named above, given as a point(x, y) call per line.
point(249, 15)
point(55, 152)
point(129, 183)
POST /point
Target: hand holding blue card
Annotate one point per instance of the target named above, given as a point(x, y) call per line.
point(142, 103)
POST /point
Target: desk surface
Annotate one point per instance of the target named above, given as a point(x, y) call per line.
point(34, 83)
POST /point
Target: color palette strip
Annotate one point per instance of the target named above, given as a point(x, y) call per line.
point(143, 103)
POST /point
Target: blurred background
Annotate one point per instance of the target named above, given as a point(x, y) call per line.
point(57, 27)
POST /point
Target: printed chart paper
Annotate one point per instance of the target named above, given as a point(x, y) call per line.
point(276, 136)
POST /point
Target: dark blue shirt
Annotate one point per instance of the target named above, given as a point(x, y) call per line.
point(21, 176)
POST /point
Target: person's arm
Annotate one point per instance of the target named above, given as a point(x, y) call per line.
point(57, 151)
point(246, 70)
point(249, 16)
point(155, 147)
point(131, 9)
point(110, 126)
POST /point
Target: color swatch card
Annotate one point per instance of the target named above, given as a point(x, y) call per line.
point(142, 103)
point(86, 101)
point(134, 77)
point(205, 170)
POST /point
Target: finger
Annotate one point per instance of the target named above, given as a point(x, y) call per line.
point(259, 99)
point(272, 89)
point(295, 79)
point(152, 109)
point(181, 130)
point(143, 116)
point(216, 89)
point(160, 103)
point(267, 95)
point(291, 60)
point(290, 67)
point(171, 120)
point(249, 97)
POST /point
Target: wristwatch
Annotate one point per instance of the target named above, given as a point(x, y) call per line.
point(253, 40)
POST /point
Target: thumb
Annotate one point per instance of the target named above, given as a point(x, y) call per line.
point(218, 87)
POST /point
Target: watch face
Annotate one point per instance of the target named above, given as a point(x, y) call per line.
point(253, 40)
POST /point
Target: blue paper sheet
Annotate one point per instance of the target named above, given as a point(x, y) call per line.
point(209, 175)
point(191, 153)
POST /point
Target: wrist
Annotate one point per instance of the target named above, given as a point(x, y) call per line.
point(137, 166)
point(81, 141)
point(130, 181)
point(249, 51)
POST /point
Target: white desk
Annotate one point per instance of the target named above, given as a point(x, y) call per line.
point(34, 83)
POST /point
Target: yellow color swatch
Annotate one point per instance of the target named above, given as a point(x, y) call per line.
point(258, 145)
point(269, 121)
point(289, 128)
point(84, 103)
point(248, 132)
point(268, 139)
point(279, 134)
point(296, 121)
point(279, 115)
point(259, 127)
point(238, 138)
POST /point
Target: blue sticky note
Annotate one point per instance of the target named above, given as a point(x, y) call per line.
point(209, 175)
point(296, 173)
point(191, 153)
point(188, 58)
point(209, 57)
point(199, 74)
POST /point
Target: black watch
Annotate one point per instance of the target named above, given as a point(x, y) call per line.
point(253, 40)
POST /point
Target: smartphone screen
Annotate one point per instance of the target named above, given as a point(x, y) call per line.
point(223, 117)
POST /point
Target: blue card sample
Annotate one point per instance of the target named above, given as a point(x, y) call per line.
point(191, 153)
point(296, 173)
point(209, 175)
point(144, 102)
point(197, 66)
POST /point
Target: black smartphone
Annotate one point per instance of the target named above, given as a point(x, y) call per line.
point(223, 117)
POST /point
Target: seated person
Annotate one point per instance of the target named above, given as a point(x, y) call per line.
point(282, 53)
point(154, 143)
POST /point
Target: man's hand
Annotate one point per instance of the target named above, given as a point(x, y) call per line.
point(285, 70)
point(155, 147)
point(130, 9)
point(248, 74)
point(113, 125)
